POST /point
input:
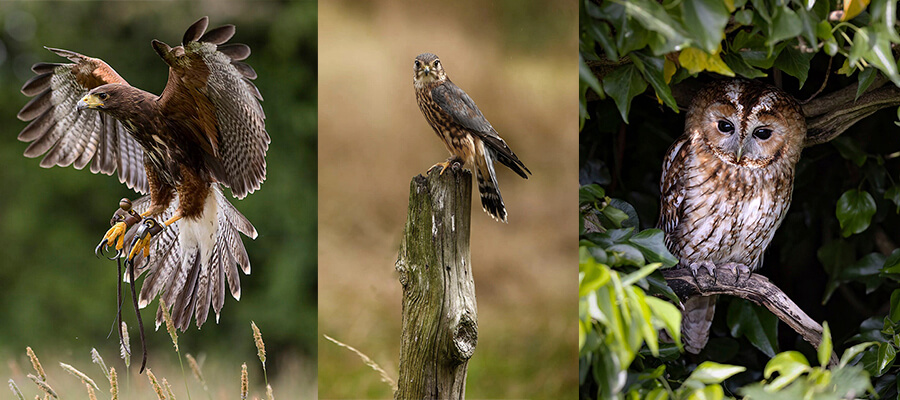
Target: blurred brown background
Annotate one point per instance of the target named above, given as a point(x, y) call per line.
point(517, 60)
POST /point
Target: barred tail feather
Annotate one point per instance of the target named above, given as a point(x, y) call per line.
point(696, 320)
point(191, 260)
point(491, 201)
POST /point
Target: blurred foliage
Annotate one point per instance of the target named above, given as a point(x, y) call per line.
point(52, 288)
point(836, 254)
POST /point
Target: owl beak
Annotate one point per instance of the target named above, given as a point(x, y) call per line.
point(740, 151)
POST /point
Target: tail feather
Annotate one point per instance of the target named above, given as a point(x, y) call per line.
point(505, 155)
point(191, 260)
point(491, 200)
point(695, 323)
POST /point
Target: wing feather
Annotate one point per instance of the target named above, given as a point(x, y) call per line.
point(672, 188)
point(66, 136)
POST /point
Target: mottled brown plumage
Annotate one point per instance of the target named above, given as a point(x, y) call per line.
point(727, 183)
point(205, 130)
point(469, 136)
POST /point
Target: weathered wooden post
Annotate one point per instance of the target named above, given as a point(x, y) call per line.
point(440, 328)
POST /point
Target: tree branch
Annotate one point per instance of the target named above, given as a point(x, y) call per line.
point(756, 288)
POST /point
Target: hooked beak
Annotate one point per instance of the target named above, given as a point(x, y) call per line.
point(427, 70)
point(90, 101)
point(740, 151)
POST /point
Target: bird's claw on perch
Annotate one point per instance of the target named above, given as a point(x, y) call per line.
point(704, 280)
point(123, 219)
point(452, 161)
point(741, 273)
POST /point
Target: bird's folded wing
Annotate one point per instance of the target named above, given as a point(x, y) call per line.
point(66, 136)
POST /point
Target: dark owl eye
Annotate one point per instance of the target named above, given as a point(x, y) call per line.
point(762, 133)
point(726, 127)
point(418, 64)
point(102, 96)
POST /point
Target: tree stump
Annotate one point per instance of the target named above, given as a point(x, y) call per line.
point(440, 328)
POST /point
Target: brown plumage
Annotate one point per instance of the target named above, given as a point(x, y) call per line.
point(727, 184)
point(205, 130)
point(469, 136)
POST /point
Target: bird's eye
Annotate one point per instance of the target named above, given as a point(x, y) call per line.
point(762, 133)
point(102, 96)
point(726, 127)
point(437, 63)
point(418, 64)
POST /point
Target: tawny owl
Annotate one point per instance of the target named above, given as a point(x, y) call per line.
point(726, 184)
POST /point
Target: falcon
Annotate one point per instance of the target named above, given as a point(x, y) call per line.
point(468, 135)
point(205, 131)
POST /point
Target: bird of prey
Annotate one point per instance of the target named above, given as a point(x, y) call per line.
point(469, 136)
point(206, 130)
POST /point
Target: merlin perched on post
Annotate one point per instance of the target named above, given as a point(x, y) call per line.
point(469, 136)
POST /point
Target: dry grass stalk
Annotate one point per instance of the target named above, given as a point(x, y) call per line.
point(195, 368)
point(168, 389)
point(80, 375)
point(125, 346)
point(15, 390)
point(95, 357)
point(244, 382)
point(371, 363)
point(36, 363)
point(170, 326)
point(155, 384)
point(90, 390)
point(113, 384)
point(43, 385)
point(260, 346)
point(269, 394)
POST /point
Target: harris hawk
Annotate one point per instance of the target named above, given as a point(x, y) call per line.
point(468, 135)
point(206, 130)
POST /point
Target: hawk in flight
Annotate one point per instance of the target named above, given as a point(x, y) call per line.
point(469, 136)
point(206, 129)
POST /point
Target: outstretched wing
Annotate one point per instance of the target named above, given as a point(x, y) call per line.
point(66, 136)
point(231, 119)
point(456, 103)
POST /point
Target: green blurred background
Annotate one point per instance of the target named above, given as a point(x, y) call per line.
point(517, 60)
point(56, 297)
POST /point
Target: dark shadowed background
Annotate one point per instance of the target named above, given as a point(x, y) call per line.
point(516, 59)
point(56, 297)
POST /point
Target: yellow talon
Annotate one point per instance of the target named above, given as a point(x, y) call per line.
point(443, 166)
point(117, 231)
point(142, 244)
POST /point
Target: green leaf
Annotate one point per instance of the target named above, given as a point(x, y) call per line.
point(589, 194)
point(854, 211)
point(669, 315)
point(744, 17)
point(794, 63)
point(809, 20)
point(696, 60)
point(592, 277)
point(652, 69)
point(587, 76)
point(641, 273)
point(825, 348)
point(789, 365)
point(651, 243)
point(612, 217)
point(623, 84)
point(755, 323)
point(892, 264)
point(884, 16)
point(632, 220)
point(834, 256)
point(654, 17)
point(785, 25)
point(866, 77)
point(878, 361)
point(881, 57)
point(711, 372)
point(712, 392)
point(601, 33)
point(862, 44)
point(850, 353)
point(626, 255)
point(740, 67)
point(893, 194)
point(705, 20)
point(849, 149)
point(895, 305)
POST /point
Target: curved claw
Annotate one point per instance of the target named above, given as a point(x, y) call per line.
point(100, 250)
point(141, 240)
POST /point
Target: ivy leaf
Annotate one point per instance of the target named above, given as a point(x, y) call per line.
point(652, 69)
point(623, 84)
point(794, 63)
point(849, 149)
point(881, 57)
point(651, 243)
point(696, 61)
point(895, 305)
point(626, 255)
point(866, 77)
point(809, 21)
point(705, 20)
point(744, 17)
point(785, 25)
point(755, 323)
point(852, 8)
point(592, 193)
point(739, 66)
point(587, 76)
point(711, 372)
point(789, 365)
point(892, 266)
point(854, 211)
point(893, 194)
point(654, 17)
point(884, 16)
